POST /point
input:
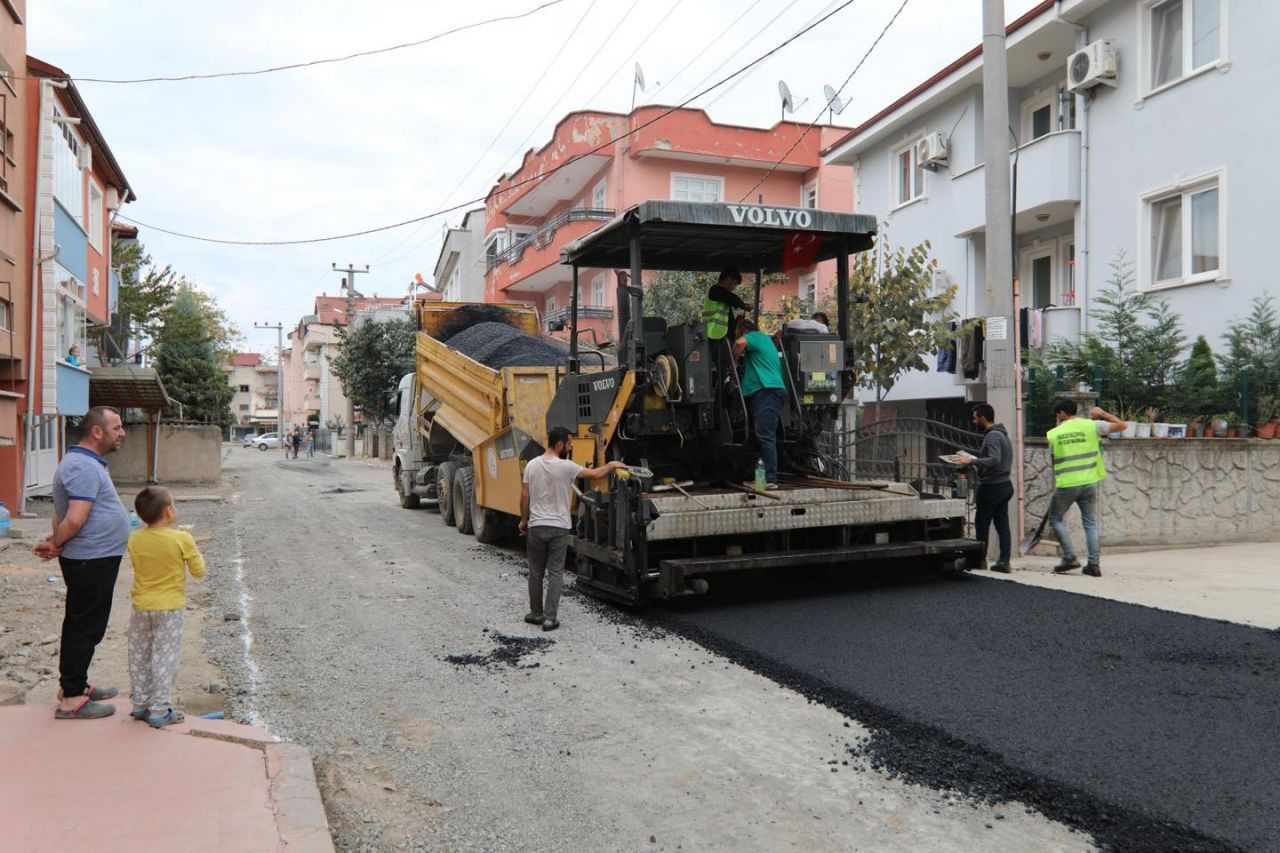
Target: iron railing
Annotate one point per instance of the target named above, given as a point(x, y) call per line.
point(545, 233)
point(905, 450)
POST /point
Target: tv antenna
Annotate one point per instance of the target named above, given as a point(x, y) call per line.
point(835, 104)
point(789, 104)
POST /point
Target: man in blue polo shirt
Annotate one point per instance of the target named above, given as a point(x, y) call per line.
point(90, 534)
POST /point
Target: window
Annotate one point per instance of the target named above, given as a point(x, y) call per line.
point(1067, 273)
point(551, 305)
point(1185, 233)
point(5, 313)
point(597, 291)
point(244, 407)
point(696, 188)
point(68, 181)
point(809, 287)
point(7, 142)
point(1048, 111)
point(244, 389)
point(94, 220)
point(1182, 36)
point(599, 199)
point(910, 176)
point(809, 196)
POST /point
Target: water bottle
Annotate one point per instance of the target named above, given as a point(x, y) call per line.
point(760, 481)
point(4, 521)
point(134, 521)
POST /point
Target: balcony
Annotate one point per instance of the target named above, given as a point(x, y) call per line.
point(1048, 183)
point(585, 312)
point(311, 372)
point(73, 389)
point(311, 403)
point(545, 234)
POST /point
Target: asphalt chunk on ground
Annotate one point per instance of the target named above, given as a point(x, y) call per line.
point(1150, 729)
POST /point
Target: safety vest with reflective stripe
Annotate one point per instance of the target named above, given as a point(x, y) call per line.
point(1077, 454)
point(717, 316)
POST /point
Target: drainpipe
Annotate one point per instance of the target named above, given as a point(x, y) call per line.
point(44, 117)
point(1082, 238)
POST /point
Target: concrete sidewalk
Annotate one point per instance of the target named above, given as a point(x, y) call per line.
point(1236, 583)
point(119, 785)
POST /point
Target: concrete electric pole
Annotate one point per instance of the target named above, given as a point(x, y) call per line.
point(349, 283)
point(279, 327)
point(1001, 326)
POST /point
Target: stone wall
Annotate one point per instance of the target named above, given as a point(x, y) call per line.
point(1173, 491)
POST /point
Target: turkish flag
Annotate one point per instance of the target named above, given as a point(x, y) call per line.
point(800, 250)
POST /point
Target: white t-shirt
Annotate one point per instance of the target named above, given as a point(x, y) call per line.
point(549, 481)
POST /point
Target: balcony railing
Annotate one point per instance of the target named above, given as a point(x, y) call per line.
point(585, 312)
point(545, 234)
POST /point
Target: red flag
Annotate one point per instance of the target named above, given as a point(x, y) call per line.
point(801, 250)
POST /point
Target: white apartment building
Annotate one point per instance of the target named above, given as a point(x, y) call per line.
point(1139, 125)
point(460, 268)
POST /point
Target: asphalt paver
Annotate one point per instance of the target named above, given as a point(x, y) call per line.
point(1152, 730)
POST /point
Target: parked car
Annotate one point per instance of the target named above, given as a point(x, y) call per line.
point(262, 442)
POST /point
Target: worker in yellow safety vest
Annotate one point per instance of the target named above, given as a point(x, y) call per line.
point(1077, 471)
point(720, 303)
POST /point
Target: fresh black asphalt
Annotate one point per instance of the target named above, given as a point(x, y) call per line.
point(1151, 730)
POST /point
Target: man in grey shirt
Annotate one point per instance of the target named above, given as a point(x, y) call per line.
point(90, 534)
point(545, 520)
point(994, 487)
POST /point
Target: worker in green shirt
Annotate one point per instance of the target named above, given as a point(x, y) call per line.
point(720, 303)
point(765, 391)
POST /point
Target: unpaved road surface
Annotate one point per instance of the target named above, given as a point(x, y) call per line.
point(394, 649)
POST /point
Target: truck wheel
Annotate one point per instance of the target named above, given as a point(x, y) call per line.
point(408, 500)
point(488, 523)
point(463, 495)
point(444, 488)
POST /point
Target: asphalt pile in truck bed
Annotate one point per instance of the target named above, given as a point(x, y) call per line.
point(498, 345)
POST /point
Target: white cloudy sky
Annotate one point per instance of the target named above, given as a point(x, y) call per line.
point(376, 140)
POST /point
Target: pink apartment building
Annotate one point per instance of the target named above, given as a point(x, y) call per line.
point(683, 156)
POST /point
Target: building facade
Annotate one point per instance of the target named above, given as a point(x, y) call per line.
point(1151, 163)
point(15, 251)
point(683, 156)
point(459, 273)
point(69, 186)
point(256, 393)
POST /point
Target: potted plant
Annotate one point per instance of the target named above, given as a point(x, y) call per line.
point(1233, 424)
point(1177, 426)
point(1194, 426)
point(1159, 428)
point(1129, 416)
point(1222, 423)
point(1268, 412)
point(1143, 429)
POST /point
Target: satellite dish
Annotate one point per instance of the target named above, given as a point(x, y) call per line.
point(835, 104)
point(640, 77)
point(789, 104)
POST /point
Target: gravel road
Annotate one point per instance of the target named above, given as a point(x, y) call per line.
point(394, 649)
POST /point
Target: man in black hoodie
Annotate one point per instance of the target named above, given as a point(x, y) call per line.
point(994, 488)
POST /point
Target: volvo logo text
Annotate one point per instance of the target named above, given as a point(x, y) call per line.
point(779, 217)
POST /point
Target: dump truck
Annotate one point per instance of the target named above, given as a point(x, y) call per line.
point(666, 400)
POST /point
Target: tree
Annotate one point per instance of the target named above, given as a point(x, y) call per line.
point(1197, 393)
point(371, 361)
point(1138, 346)
point(677, 296)
point(1253, 343)
point(897, 318)
point(188, 363)
point(145, 292)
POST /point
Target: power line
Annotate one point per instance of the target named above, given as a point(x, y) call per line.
point(743, 46)
point(633, 53)
point(696, 55)
point(827, 105)
point(530, 180)
point(519, 107)
point(327, 61)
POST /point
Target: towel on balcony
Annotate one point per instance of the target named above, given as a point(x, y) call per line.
point(971, 350)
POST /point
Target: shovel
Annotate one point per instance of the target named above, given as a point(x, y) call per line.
point(1033, 539)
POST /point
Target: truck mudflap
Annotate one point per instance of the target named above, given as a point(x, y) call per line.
point(677, 576)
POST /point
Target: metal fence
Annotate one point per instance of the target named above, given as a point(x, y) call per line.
point(904, 449)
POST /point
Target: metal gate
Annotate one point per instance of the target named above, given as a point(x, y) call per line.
point(906, 450)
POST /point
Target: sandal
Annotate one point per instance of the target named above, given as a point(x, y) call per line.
point(139, 713)
point(86, 710)
point(169, 718)
point(97, 694)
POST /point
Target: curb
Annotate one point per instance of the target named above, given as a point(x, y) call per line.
point(295, 799)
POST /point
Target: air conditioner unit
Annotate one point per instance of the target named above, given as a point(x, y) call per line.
point(931, 151)
point(1093, 66)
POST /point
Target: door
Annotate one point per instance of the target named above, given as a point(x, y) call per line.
point(43, 460)
point(1038, 277)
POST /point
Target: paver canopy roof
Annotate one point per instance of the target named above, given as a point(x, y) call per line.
point(708, 236)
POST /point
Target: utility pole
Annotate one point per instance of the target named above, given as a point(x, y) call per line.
point(349, 284)
point(279, 327)
point(1001, 328)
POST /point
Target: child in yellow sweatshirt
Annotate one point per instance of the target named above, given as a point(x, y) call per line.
point(161, 558)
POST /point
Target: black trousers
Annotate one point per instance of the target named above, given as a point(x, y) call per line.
point(992, 501)
point(90, 584)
